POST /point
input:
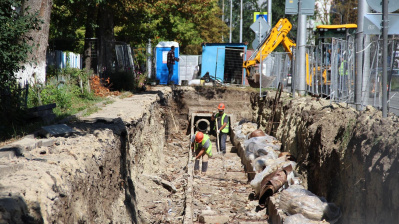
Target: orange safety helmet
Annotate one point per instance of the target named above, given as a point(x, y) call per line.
point(199, 136)
point(221, 106)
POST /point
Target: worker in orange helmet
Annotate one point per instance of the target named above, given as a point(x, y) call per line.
point(221, 127)
point(202, 147)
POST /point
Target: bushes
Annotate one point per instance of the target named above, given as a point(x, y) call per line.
point(66, 88)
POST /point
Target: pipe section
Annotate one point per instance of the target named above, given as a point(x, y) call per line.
point(203, 125)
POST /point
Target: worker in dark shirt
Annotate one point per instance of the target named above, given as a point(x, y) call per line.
point(171, 62)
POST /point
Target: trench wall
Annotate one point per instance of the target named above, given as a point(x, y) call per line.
point(89, 177)
point(346, 156)
point(194, 99)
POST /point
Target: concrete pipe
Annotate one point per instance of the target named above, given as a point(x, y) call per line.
point(203, 125)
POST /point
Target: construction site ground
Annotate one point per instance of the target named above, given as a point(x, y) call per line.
point(223, 195)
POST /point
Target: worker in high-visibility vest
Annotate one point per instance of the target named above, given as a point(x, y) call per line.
point(221, 127)
point(202, 147)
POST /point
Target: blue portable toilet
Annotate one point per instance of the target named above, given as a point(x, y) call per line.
point(161, 57)
point(223, 62)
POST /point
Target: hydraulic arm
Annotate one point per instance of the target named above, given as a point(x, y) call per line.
point(276, 36)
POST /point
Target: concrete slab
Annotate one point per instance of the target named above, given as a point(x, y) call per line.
point(47, 142)
point(56, 130)
point(10, 152)
point(26, 144)
point(7, 154)
point(9, 169)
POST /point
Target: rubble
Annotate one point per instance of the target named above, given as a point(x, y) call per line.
point(166, 184)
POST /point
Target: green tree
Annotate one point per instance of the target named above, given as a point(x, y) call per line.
point(189, 22)
point(345, 12)
point(15, 47)
point(249, 8)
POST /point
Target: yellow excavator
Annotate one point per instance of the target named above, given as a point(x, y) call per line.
point(324, 32)
point(276, 36)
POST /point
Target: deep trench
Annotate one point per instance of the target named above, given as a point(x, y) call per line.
point(132, 158)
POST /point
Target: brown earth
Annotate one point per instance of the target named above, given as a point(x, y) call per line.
point(346, 156)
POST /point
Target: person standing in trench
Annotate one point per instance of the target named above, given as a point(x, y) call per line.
point(221, 127)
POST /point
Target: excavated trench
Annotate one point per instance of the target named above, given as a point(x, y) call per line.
point(129, 163)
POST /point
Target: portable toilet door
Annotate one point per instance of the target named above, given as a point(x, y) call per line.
point(161, 54)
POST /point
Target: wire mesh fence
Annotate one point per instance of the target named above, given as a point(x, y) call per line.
point(229, 61)
point(331, 70)
point(372, 75)
point(275, 69)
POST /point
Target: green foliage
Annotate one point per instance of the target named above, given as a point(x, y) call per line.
point(189, 22)
point(66, 87)
point(140, 81)
point(15, 46)
point(67, 27)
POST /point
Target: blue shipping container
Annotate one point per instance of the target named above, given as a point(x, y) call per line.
point(161, 53)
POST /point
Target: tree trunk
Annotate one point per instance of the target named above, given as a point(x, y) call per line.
point(35, 72)
point(105, 39)
point(89, 47)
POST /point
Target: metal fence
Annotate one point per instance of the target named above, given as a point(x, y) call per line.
point(61, 59)
point(372, 75)
point(275, 68)
point(228, 68)
point(188, 67)
point(331, 69)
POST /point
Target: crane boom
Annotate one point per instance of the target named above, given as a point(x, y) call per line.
point(276, 36)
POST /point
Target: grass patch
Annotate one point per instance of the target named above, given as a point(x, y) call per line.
point(126, 95)
point(68, 89)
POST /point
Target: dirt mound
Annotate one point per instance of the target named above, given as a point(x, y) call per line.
point(346, 156)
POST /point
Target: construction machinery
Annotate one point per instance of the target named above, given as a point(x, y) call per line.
point(324, 65)
point(276, 36)
point(318, 60)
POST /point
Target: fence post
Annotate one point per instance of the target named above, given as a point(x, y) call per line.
point(149, 62)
